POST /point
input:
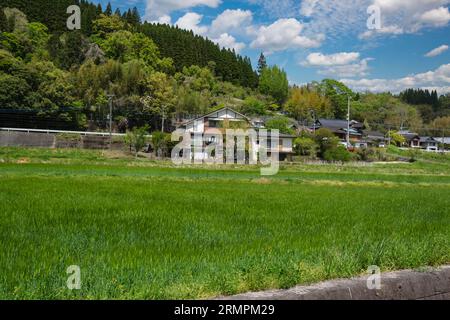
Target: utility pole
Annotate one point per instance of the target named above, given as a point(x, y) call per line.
point(443, 140)
point(348, 122)
point(389, 135)
point(314, 120)
point(110, 97)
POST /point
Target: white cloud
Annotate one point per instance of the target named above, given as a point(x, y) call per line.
point(227, 41)
point(231, 20)
point(335, 18)
point(342, 58)
point(158, 8)
point(227, 20)
point(307, 7)
point(438, 79)
point(437, 51)
point(437, 17)
point(284, 34)
point(191, 21)
point(342, 64)
point(358, 69)
point(409, 16)
point(385, 30)
point(348, 18)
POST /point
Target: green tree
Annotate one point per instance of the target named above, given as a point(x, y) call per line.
point(125, 46)
point(338, 93)
point(253, 106)
point(137, 138)
point(3, 21)
point(38, 34)
point(273, 81)
point(105, 25)
point(161, 142)
point(397, 139)
point(108, 10)
point(326, 140)
point(160, 99)
point(303, 102)
point(13, 91)
point(262, 63)
point(305, 146)
point(280, 123)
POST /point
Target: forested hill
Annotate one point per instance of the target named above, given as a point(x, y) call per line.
point(182, 46)
point(187, 49)
point(53, 14)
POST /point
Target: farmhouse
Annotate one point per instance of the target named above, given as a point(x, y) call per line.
point(429, 144)
point(339, 128)
point(375, 138)
point(413, 140)
point(226, 118)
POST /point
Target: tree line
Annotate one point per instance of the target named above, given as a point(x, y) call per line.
point(160, 75)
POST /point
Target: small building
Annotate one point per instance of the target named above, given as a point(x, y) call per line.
point(375, 139)
point(228, 118)
point(412, 139)
point(339, 128)
point(429, 144)
point(445, 142)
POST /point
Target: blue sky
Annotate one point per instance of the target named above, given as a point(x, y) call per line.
point(316, 39)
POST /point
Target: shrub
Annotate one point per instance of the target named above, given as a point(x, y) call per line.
point(366, 154)
point(161, 143)
point(337, 154)
point(281, 123)
point(326, 140)
point(305, 146)
point(137, 138)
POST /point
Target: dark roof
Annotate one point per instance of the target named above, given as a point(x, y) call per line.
point(334, 124)
point(410, 136)
point(373, 134)
point(427, 139)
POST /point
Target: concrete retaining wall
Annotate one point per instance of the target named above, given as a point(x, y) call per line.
point(432, 284)
point(24, 139)
point(51, 140)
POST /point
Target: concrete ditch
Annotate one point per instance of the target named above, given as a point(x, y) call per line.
point(427, 284)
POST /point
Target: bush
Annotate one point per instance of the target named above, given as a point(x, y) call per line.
point(161, 143)
point(326, 140)
point(280, 123)
point(305, 146)
point(413, 154)
point(253, 106)
point(366, 154)
point(137, 138)
point(337, 154)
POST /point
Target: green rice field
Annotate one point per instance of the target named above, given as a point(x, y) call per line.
point(143, 229)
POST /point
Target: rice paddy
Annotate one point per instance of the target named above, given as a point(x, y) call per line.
point(147, 230)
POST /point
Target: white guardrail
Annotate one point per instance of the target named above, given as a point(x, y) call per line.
point(85, 133)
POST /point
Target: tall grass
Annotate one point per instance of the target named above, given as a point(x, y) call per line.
point(195, 234)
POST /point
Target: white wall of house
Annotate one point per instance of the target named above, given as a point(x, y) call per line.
point(286, 144)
